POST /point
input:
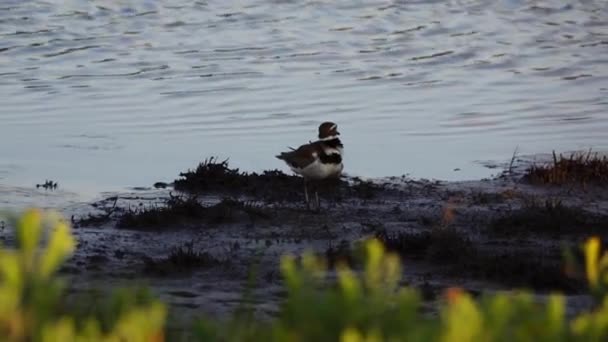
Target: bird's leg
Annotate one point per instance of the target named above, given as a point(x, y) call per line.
point(316, 199)
point(306, 194)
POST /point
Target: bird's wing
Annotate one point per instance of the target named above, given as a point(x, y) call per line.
point(300, 157)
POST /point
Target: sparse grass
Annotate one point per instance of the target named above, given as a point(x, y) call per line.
point(437, 245)
point(181, 259)
point(582, 168)
point(521, 269)
point(406, 243)
point(455, 254)
point(183, 210)
point(548, 217)
point(208, 175)
point(448, 244)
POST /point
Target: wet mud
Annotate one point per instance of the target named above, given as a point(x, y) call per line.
point(202, 240)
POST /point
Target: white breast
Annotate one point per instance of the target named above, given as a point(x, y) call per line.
point(318, 170)
point(332, 150)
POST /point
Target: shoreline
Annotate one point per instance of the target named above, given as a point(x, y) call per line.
point(484, 236)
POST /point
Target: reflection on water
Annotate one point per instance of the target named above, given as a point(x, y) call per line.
point(125, 92)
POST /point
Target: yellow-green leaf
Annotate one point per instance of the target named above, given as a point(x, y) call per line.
point(29, 230)
point(592, 251)
point(60, 246)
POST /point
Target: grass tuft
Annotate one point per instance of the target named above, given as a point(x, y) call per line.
point(581, 168)
point(213, 176)
point(181, 258)
point(548, 217)
point(455, 254)
point(437, 245)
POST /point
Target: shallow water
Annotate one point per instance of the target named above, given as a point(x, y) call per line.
point(98, 94)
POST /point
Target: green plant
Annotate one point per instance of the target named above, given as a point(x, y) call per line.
point(321, 305)
point(596, 269)
point(373, 306)
point(33, 305)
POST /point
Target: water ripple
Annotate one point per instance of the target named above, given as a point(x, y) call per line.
point(464, 80)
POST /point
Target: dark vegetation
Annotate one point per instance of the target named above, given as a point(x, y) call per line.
point(181, 259)
point(105, 306)
point(518, 268)
point(549, 217)
point(447, 244)
point(48, 185)
point(436, 244)
point(213, 176)
point(183, 210)
point(450, 250)
point(362, 306)
point(455, 254)
point(582, 168)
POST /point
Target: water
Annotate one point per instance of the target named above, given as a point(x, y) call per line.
point(102, 94)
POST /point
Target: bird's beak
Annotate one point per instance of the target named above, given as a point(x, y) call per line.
point(337, 133)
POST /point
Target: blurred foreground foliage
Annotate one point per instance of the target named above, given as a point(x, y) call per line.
point(33, 303)
point(321, 305)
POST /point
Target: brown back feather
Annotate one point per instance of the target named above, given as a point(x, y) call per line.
point(302, 156)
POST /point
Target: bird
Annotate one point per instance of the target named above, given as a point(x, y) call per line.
point(318, 160)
